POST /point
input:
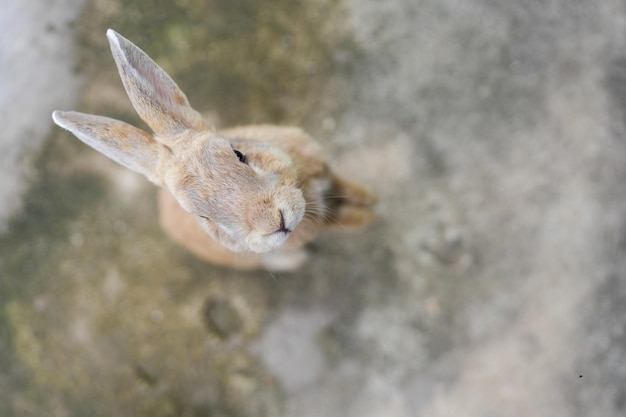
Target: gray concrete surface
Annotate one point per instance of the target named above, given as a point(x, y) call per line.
point(36, 74)
point(494, 283)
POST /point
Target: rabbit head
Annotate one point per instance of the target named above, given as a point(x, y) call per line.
point(244, 194)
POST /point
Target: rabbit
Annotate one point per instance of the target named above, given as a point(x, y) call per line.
point(247, 197)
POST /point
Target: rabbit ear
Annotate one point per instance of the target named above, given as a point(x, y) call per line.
point(123, 143)
point(155, 96)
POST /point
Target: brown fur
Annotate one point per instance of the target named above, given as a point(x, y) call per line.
point(250, 214)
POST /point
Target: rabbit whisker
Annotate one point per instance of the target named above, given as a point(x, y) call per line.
point(269, 271)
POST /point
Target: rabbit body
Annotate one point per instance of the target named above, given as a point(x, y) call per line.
point(247, 197)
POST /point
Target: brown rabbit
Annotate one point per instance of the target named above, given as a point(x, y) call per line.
point(246, 197)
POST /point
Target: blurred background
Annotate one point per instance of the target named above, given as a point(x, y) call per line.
point(493, 284)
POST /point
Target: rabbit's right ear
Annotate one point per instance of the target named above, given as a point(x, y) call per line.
point(155, 96)
point(123, 143)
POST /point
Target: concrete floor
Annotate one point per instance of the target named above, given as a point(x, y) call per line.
point(494, 283)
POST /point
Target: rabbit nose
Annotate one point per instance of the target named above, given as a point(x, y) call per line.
point(282, 227)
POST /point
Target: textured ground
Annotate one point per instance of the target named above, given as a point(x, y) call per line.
point(494, 283)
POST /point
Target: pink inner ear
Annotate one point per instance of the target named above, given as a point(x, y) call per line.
point(160, 86)
point(160, 89)
point(166, 89)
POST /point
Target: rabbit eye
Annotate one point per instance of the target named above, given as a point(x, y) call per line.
point(240, 156)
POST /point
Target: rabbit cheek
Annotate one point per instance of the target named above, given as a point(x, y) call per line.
point(223, 236)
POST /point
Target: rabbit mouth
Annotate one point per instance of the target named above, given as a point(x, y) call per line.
point(265, 243)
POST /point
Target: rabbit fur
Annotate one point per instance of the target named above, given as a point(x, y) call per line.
point(246, 197)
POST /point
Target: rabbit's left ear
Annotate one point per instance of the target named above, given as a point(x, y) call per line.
point(123, 143)
point(155, 96)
